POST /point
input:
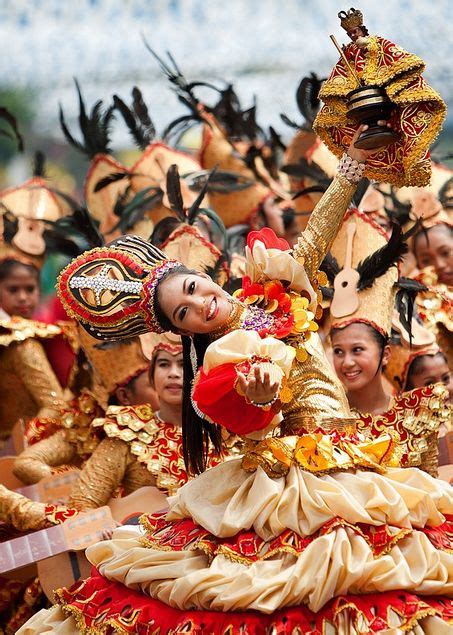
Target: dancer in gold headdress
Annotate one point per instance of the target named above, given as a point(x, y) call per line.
point(280, 539)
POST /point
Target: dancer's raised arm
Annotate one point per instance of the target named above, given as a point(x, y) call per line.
point(325, 220)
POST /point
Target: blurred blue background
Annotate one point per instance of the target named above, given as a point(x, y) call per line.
point(263, 46)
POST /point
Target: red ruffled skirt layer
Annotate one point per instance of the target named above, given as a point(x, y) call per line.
point(101, 606)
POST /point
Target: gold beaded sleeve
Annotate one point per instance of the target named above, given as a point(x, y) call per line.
point(37, 461)
point(102, 474)
point(325, 220)
point(20, 512)
point(36, 373)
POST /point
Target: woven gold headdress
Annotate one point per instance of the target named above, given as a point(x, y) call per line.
point(401, 358)
point(113, 364)
point(369, 300)
point(29, 205)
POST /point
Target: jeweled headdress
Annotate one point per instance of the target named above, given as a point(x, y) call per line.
point(111, 290)
point(351, 19)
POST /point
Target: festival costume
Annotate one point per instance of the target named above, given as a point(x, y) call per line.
point(232, 207)
point(69, 438)
point(28, 386)
point(416, 416)
point(279, 540)
point(418, 109)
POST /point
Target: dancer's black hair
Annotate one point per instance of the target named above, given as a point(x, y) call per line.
point(416, 366)
point(197, 433)
point(8, 265)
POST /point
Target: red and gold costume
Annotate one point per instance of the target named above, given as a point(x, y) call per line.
point(29, 387)
point(328, 536)
point(139, 450)
point(417, 116)
point(65, 441)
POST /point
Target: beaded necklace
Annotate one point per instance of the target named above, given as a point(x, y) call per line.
point(249, 318)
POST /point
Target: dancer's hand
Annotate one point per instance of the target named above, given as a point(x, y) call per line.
point(362, 155)
point(257, 386)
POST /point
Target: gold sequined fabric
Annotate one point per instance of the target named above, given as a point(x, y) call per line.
point(112, 465)
point(28, 386)
point(325, 220)
point(37, 461)
point(154, 444)
point(316, 390)
point(69, 446)
point(20, 512)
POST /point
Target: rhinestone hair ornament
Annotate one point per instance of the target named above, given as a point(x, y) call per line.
point(112, 290)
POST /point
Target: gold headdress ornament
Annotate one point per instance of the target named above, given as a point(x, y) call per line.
point(112, 290)
point(351, 19)
point(234, 207)
point(402, 356)
point(115, 364)
point(29, 205)
point(186, 243)
point(428, 208)
point(358, 239)
point(102, 202)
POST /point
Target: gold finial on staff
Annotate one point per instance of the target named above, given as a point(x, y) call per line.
point(343, 56)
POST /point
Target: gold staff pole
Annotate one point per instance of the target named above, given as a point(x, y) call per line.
point(343, 56)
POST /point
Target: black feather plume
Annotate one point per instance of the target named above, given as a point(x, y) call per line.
point(114, 177)
point(405, 301)
point(192, 212)
point(307, 97)
point(39, 164)
point(132, 211)
point(330, 267)
point(378, 263)
point(12, 122)
point(174, 192)
point(94, 128)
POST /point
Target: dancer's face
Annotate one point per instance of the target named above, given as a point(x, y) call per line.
point(435, 248)
point(167, 377)
point(193, 303)
point(136, 392)
point(431, 369)
point(19, 292)
point(356, 356)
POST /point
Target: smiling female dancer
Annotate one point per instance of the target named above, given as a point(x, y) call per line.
point(316, 529)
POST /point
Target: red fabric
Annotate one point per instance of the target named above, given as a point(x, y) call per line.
point(270, 239)
point(247, 547)
point(58, 351)
point(98, 601)
point(216, 396)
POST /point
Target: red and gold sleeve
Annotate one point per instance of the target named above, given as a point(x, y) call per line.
point(215, 394)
